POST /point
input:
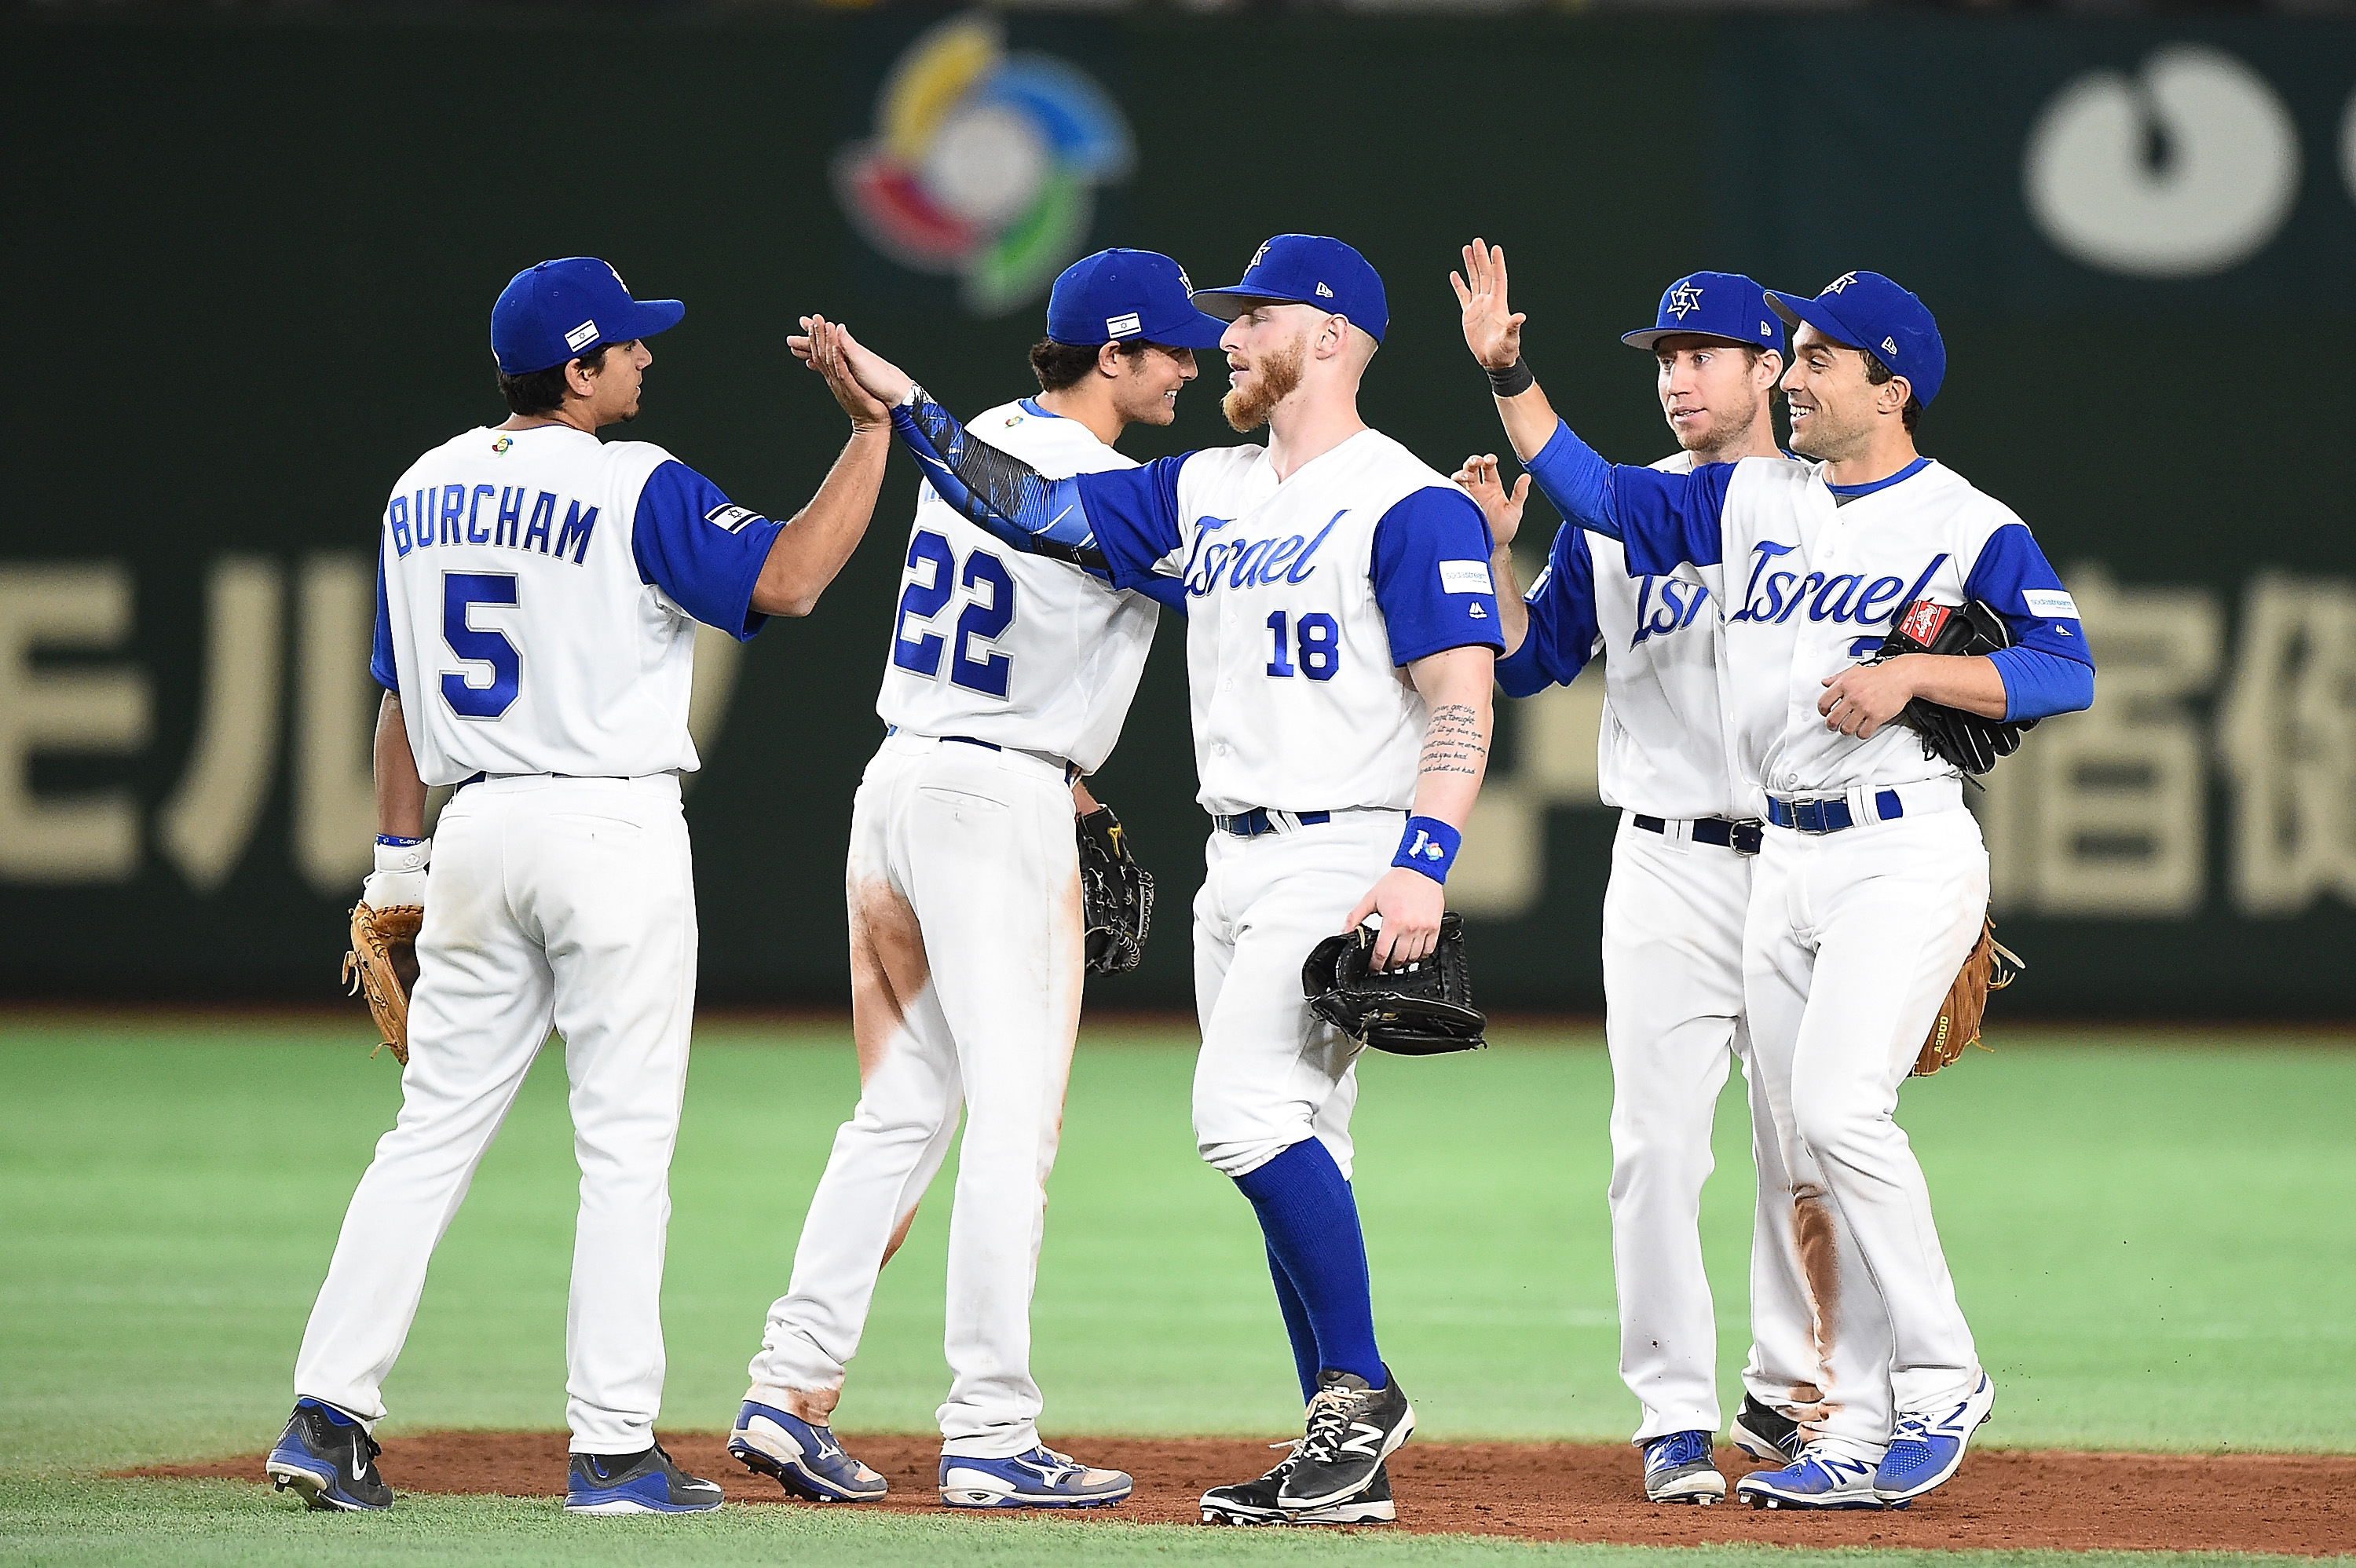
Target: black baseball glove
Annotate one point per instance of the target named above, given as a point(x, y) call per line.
point(1116, 895)
point(1414, 1009)
point(1971, 743)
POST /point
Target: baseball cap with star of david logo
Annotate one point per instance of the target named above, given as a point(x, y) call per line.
point(1866, 310)
point(1716, 304)
point(1306, 268)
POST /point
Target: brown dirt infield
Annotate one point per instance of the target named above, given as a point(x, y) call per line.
point(1553, 1491)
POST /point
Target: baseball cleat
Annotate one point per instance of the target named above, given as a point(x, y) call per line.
point(1352, 1429)
point(805, 1459)
point(1928, 1448)
point(328, 1460)
point(1040, 1478)
point(636, 1483)
point(1677, 1470)
point(1766, 1433)
point(1824, 1476)
point(1255, 1502)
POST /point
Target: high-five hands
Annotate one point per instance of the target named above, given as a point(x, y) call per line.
point(1492, 329)
point(859, 379)
point(1480, 478)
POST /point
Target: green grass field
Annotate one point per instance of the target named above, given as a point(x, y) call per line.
point(2155, 1245)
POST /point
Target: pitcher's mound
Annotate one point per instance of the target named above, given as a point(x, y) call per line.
point(1552, 1491)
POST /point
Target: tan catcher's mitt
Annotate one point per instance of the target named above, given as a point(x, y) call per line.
point(382, 966)
point(1991, 966)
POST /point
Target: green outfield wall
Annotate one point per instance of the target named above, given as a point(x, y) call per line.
point(250, 267)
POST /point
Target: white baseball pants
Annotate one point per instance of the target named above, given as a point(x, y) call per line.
point(550, 900)
point(966, 970)
point(1853, 939)
point(1271, 1074)
point(1673, 921)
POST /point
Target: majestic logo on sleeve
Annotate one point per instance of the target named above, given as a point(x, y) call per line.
point(1685, 297)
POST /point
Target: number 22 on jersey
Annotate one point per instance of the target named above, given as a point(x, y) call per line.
point(989, 610)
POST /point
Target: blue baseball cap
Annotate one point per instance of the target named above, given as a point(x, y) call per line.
point(1114, 295)
point(552, 312)
point(1715, 305)
point(1306, 268)
point(1866, 310)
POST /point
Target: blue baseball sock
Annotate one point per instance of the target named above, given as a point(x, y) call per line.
point(1296, 1327)
point(1311, 1219)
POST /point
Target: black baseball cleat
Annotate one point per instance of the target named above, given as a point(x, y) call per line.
point(1255, 1502)
point(1352, 1429)
point(1766, 1433)
point(328, 1460)
point(636, 1483)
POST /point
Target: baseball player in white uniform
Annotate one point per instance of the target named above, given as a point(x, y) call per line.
point(1872, 881)
point(1007, 678)
point(537, 595)
point(1341, 635)
point(1672, 913)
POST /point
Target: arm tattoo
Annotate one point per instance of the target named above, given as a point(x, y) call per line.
point(1452, 743)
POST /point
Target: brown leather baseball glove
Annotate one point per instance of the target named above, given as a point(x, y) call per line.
point(1990, 966)
point(382, 966)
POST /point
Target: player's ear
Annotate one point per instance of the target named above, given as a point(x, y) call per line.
point(1892, 396)
point(1109, 360)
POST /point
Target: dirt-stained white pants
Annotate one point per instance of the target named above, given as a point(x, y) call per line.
point(550, 900)
point(1854, 938)
point(966, 968)
point(1673, 921)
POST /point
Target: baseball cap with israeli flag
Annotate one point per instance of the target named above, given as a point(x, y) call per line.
point(1713, 305)
point(558, 310)
point(1866, 310)
point(1116, 295)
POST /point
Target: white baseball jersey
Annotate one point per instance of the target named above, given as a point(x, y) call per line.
point(1000, 646)
point(1663, 748)
point(1306, 602)
point(536, 595)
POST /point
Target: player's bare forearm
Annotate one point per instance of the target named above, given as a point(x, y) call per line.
point(811, 549)
point(1456, 687)
point(1082, 801)
point(1860, 699)
point(399, 793)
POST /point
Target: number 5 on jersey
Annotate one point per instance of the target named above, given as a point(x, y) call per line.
point(990, 609)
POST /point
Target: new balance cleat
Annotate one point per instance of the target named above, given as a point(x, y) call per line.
point(1766, 1433)
point(1255, 1502)
point(1352, 1429)
point(1824, 1476)
point(328, 1460)
point(1679, 1469)
point(636, 1483)
point(1928, 1448)
point(805, 1459)
point(1040, 1478)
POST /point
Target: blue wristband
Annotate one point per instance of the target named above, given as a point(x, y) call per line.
point(1429, 845)
point(394, 841)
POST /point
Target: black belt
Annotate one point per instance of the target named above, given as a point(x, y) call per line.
point(1742, 838)
point(1254, 821)
point(1829, 815)
point(1071, 770)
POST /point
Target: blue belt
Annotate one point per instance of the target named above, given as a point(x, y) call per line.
point(1742, 838)
point(1071, 770)
point(1829, 815)
point(1253, 823)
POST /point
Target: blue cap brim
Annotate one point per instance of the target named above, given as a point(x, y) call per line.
point(1796, 310)
point(1646, 337)
point(1226, 304)
point(1201, 331)
point(650, 317)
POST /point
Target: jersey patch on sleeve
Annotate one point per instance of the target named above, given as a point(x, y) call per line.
point(2051, 603)
point(1464, 577)
point(732, 519)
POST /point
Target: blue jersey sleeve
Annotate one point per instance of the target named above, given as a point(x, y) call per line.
point(1563, 632)
point(2049, 669)
point(705, 553)
point(1134, 514)
point(380, 661)
point(1664, 521)
point(1430, 572)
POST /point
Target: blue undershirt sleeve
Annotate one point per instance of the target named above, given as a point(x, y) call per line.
point(380, 660)
point(2038, 685)
point(2013, 578)
point(1664, 521)
point(705, 553)
point(1562, 631)
point(1166, 591)
point(1430, 572)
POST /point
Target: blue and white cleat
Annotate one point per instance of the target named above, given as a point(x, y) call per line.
point(1679, 1469)
point(328, 1460)
point(1040, 1478)
point(805, 1459)
point(638, 1483)
point(1824, 1476)
point(1927, 1449)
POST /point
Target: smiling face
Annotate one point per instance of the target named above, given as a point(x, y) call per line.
point(1836, 411)
point(1268, 350)
point(1145, 386)
point(1713, 391)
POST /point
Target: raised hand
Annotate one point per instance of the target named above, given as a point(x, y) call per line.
point(822, 346)
point(1492, 329)
point(1480, 479)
